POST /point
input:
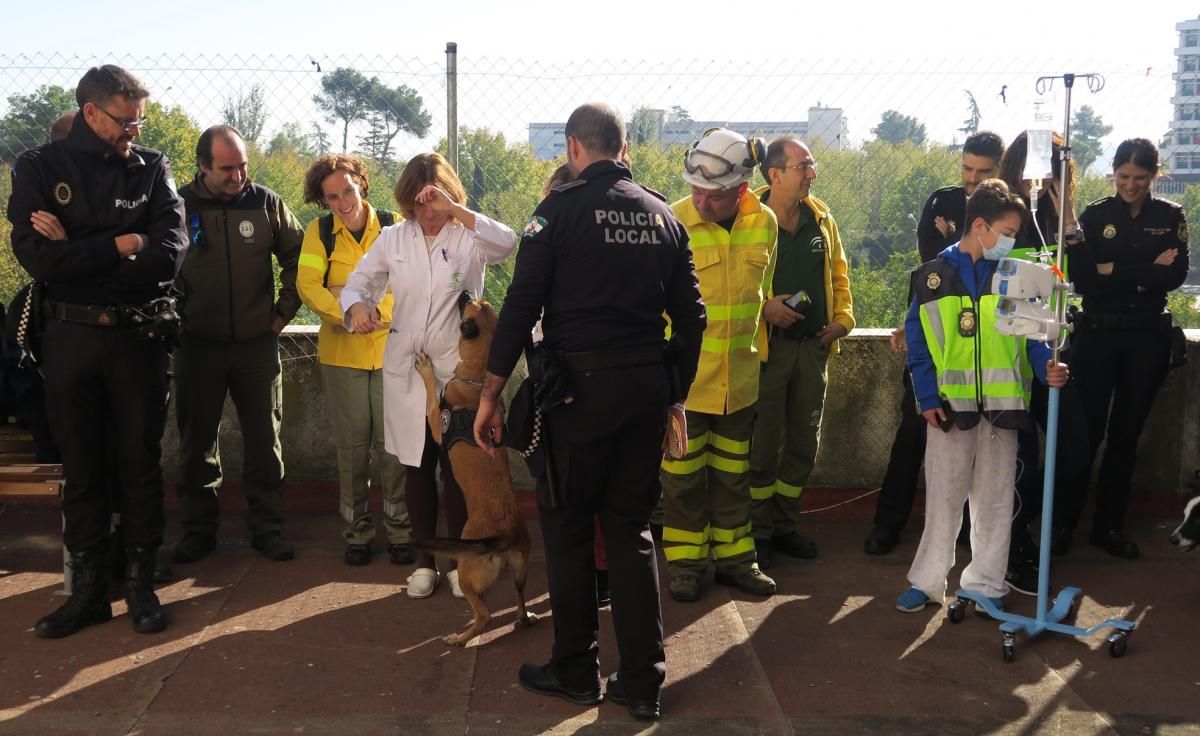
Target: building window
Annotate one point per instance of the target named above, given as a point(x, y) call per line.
point(1188, 137)
point(1189, 89)
point(1189, 63)
point(1189, 111)
point(1187, 161)
point(1191, 38)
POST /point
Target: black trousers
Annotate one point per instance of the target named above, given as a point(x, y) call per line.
point(1121, 369)
point(106, 393)
point(607, 445)
point(899, 488)
point(1073, 461)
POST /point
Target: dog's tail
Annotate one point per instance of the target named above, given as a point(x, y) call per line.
point(460, 548)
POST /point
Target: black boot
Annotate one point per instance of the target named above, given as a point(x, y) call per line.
point(88, 603)
point(144, 609)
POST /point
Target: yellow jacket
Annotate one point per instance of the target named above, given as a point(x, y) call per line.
point(735, 270)
point(839, 304)
point(335, 345)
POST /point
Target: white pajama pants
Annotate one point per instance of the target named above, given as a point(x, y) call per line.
point(980, 464)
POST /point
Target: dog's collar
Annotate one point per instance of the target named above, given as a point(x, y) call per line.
point(467, 381)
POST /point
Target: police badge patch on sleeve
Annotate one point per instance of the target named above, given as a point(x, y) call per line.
point(62, 193)
point(445, 421)
point(534, 226)
point(933, 282)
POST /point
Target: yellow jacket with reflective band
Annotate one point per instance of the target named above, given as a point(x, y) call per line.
point(839, 304)
point(335, 345)
point(735, 270)
point(981, 374)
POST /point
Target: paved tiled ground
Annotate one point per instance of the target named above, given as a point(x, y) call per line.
point(316, 647)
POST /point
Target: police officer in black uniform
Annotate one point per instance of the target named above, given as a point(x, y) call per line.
point(1134, 250)
point(940, 227)
point(116, 202)
point(606, 258)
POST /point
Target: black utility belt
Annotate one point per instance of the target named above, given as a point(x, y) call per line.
point(87, 314)
point(606, 359)
point(1135, 321)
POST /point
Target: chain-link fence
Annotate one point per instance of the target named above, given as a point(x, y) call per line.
point(885, 134)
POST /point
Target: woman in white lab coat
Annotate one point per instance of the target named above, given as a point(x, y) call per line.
point(440, 251)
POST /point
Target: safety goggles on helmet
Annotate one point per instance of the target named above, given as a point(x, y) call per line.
point(708, 165)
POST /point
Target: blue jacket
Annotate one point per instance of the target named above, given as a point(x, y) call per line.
point(920, 363)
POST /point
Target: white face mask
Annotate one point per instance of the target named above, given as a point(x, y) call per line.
point(1004, 245)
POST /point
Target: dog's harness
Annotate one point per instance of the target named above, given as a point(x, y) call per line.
point(458, 425)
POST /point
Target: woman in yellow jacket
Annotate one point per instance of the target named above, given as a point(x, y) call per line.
point(352, 365)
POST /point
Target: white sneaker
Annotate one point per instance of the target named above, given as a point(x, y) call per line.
point(455, 590)
point(422, 582)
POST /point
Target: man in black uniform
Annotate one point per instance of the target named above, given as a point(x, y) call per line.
point(605, 257)
point(117, 203)
point(941, 226)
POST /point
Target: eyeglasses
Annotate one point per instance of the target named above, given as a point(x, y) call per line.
point(802, 166)
point(127, 126)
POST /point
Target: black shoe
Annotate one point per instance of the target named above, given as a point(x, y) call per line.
point(762, 553)
point(1116, 544)
point(357, 554)
point(880, 541)
point(273, 546)
point(794, 544)
point(643, 709)
point(542, 681)
point(603, 593)
point(1022, 577)
point(88, 603)
point(401, 554)
point(1060, 542)
point(194, 547)
point(145, 610)
point(752, 581)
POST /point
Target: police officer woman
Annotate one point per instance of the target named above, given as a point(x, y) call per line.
point(1134, 250)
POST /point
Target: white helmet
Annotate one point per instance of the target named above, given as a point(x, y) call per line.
point(722, 159)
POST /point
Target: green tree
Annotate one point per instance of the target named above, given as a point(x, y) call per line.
point(970, 126)
point(643, 125)
point(345, 97)
point(247, 112)
point(393, 110)
point(319, 139)
point(12, 276)
point(290, 137)
point(880, 293)
point(171, 130)
point(1087, 130)
point(680, 113)
point(660, 168)
point(895, 128)
point(27, 123)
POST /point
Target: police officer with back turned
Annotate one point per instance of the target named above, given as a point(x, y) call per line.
point(117, 203)
point(605, 258)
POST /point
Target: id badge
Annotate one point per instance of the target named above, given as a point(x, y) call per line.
point(967, 322)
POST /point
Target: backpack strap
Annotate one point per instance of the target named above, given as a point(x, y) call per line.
point(325, 230)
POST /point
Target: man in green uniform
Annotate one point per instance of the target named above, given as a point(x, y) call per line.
point(809, 311)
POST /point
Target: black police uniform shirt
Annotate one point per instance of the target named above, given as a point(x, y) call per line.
point(1112, 235)
point(97, 195)
point(605, 257)
point(949, 203)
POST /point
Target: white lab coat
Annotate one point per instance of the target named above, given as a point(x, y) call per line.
point(426, 283)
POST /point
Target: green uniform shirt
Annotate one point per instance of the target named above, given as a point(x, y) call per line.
point(801, 265)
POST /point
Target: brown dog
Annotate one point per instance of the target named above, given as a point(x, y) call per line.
point(495, 534)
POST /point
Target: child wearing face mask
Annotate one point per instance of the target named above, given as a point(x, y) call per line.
point(972, 385)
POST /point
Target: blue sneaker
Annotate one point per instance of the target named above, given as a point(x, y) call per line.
point(912, 601)
point(997, 603)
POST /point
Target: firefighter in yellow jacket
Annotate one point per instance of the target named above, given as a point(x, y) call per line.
point(809, 310)
point(706, 493)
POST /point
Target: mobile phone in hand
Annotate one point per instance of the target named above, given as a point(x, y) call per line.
point(798, 301)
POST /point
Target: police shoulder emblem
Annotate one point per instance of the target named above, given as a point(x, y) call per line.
point(445, 420)
point(1110, 231)
point(933, 282)
point(534, 226)
point(62, 193)
point(246, 228)
point(952, 226)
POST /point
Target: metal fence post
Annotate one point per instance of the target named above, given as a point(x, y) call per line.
point(452, 102)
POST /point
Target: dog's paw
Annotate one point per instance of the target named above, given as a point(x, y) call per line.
point(422, 363)
point(454, 640)
point(530, 619)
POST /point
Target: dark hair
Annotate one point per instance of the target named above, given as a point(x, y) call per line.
point(1139, 152)
point(1012, 165)
point(62, 126)
point(992, 200)
point(226, 133)
point(329, 164)
point(776, 157)
point(598, 127)
point(558, 177)
point(102, 83)
point(423, 169)
point(984, 143)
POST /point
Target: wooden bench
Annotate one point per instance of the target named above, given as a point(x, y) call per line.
point(25, 482)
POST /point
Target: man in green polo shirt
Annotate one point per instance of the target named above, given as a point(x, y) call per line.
point(809, 311)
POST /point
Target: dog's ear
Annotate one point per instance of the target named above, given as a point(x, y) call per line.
point(1193, 486)
point(468, 329)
